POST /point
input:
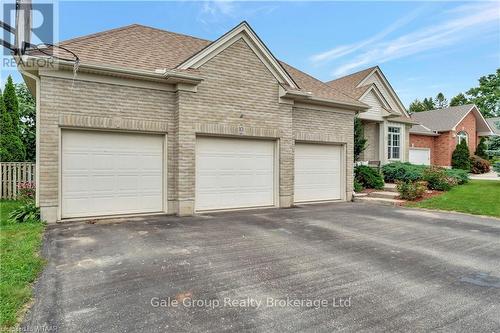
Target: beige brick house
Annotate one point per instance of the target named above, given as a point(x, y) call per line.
point(386, 124)
point(158, 122)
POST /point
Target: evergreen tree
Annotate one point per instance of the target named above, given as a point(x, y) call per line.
point(359, 138)
point(460, 99)
point(11, 146)
point(460, 159)
point(27, 113)
point(428, 104)
point(416, 106)
point(441, 102)
point(481, 149)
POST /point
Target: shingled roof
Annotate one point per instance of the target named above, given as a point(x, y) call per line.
point(140, 47)
point(350, 82)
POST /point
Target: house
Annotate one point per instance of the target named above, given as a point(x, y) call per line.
point(386, 124)
point(434, 139)
point(159, 122)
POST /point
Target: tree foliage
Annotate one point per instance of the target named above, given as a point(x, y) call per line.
point(487, 95)
point(460, 159)
point(359, 138)
point(27, 113)
point(440, 101)
point(481, 149)
point(11, 146)
point(416, 106)
point(429, 104)
point(460, 99)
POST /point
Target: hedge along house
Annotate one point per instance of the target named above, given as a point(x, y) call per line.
point(439, 131)
point(158, 122)
point(386, 124)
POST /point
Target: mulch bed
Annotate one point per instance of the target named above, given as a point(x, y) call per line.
point(427, 195)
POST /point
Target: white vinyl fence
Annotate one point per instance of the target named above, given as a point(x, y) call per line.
point(12, 174)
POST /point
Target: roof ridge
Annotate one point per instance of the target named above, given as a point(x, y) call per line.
point(352, 74)
point(447, 108)
point(133, 25)
point(97, 34)
point(321, 82)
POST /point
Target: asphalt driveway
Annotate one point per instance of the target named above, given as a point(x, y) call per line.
point(346, 266)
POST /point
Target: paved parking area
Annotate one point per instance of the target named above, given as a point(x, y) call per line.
point(354, 267)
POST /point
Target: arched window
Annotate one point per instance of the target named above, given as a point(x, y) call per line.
point(462, 136)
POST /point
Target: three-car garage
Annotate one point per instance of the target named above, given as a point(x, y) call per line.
point(113, 173)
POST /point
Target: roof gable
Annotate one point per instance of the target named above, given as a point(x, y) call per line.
point(442, 120)
point(357, 85)
point(241, 31)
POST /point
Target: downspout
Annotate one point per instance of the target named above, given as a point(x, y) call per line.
point(37, 130)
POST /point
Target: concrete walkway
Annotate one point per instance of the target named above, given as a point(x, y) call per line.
point(492, 175)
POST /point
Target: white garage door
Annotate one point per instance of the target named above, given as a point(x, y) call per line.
point(420, 156)
point(234, 173)
point(105, 173)
point(318, 172)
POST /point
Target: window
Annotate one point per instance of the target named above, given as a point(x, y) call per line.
point(462, 136)
point(394, 143)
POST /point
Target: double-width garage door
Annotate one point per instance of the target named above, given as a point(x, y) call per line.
point(318, 172)
point(234, 173)
point(105, 173)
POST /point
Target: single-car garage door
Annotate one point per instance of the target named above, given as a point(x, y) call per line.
point(318, 172)
point(106, 173)
point(234, 173)
point(420, 156)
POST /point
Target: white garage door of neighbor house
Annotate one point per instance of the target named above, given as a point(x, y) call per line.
point(420, 156)
point(106, 173)
point(318, 172)
point(234, 173)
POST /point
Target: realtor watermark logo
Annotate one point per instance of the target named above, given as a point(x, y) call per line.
point(248, 302)
point(36, 28)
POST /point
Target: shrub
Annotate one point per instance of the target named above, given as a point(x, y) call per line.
point(481, 149)
point(26, 191)
point(460, 159)
point(402, 171)
point(479, 165)
point(27, 212)
point(357, 186)
point(496, 167)
point(368, 177)
point(461, 176)
point(411, 190)
point(438, 179)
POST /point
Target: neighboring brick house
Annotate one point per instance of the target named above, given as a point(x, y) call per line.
point(434, 139)
point(158, 122)
point(386, 124)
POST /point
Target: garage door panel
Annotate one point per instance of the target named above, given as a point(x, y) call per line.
point(105, 173)
point(420, 156)
point(234, 173)
point(317, 172)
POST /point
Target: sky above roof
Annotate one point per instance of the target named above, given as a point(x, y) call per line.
point(422, 47)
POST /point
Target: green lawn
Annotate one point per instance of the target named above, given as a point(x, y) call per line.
point(20, 263)
point(480, 197)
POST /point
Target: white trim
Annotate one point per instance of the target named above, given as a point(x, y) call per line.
point(477, 113)
point(378, 94)
point(245, 32)
point(387, 86)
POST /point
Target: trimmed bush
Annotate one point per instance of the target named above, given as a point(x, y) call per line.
point(481, 149)
point(411, 190)
point(358, 187)
point(368, 177)
point(461, 176)
point(438, 179)
point(479, 165)
point(402, 171)
point(460, 159)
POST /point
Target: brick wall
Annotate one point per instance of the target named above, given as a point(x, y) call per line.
point(237, 97)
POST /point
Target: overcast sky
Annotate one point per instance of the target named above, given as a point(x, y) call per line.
point(422, 47)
